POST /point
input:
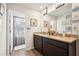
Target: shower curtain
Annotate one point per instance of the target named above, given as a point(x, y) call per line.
point(18, 31)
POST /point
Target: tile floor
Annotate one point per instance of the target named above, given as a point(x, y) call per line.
point(22, 52)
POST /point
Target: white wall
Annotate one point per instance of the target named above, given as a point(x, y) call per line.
point(30, 13)
point(3, 34)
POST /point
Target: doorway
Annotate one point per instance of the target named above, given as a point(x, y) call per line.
point(18, 32)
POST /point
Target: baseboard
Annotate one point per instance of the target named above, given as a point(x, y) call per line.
point(29, 49)
point(19, 47)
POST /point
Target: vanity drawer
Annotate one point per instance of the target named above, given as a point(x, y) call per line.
point(56, 43)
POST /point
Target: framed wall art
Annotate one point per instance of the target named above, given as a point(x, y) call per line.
point(46, 23)
point(33, 22)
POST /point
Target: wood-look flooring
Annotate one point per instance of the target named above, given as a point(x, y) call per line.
point(22, 52)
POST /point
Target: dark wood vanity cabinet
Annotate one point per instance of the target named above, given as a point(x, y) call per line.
point(52, 47)
point(38, 43)
point(51, 50)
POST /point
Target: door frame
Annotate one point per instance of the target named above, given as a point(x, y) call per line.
point(11, 14)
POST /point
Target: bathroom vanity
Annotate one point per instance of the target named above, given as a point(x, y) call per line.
point(49, 45)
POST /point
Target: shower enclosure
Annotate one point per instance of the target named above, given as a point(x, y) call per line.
point(18, 31)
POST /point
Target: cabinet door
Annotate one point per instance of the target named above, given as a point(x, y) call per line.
point(38, 43)
point(51, 50)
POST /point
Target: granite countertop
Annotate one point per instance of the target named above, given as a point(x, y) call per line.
point(58, 38)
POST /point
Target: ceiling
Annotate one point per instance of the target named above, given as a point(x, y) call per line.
point(35, 6)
